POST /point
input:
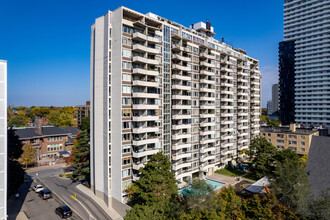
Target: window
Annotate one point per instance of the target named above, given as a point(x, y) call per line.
point(54, 138)
point(127, 137)
point(126, 173)
point(269, 134)
point(127, 53)
point(127, 65)
point(280, 141)
point(127, 41)
point(126, 125)
point(302, 137)
point(280, 147)
point(126, 101)
point(126, 184)
point(126, 161)
point(303, 143)
point(303, 149)
point(292, 142)
point(126, 89)
point(280, 135)
point(293, 136)
point(126, 77)
point(293, 148)
point(126, 149)
point(127, 30)
point(127, 113)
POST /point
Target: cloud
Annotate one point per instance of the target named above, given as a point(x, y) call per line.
point(269, 77)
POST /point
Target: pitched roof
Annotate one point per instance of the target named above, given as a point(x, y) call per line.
point(318, 165)
point(26, 133)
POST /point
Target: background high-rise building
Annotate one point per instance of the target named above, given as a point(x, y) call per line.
point(274, 98)
point(82, 111)
point(159, 86)
point(3, 139)
point(286, 82)
point(269, 107)
point(306, 22)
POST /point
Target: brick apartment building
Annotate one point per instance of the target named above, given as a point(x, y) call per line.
point(48, 141)
point(83, 111)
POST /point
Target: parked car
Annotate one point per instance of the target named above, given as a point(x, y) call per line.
point(38, 188)
point(45, 194)
point(63, 211)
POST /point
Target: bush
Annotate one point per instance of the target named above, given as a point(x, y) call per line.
point(61, 175)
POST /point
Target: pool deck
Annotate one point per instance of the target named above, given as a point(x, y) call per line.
point(228, 180)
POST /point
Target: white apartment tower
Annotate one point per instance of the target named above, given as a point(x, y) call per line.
point(306, 22)
point(159, 86)
point(3, 139)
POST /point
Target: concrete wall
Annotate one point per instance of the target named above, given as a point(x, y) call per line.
point(3, 139)
point(99, 110)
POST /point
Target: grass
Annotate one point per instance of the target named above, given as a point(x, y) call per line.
point(227, 171)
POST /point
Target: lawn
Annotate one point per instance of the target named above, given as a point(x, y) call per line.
point(230, 172)
point(251, 176)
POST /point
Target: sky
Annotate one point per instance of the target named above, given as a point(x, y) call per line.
point(47, 42)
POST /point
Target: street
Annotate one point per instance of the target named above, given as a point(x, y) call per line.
point(64, 188)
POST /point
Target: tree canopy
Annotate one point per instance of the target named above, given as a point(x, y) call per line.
point(28, 156)
point(81, 155)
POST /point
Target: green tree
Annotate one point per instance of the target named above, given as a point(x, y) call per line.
point(17, 121)
point(28, 156)
point(281, 155)
point(262, 153)
point(275, 123)
point(61, 118)
point(199, 195)
point(81, 153)
point(14, 145)
point(291, 185)
point(85, 124)
point(156, 186)
point(264, 119)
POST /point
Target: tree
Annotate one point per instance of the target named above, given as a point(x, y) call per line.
point(156, 186)
point(199, 195)
point(14, 145)
point(17, 121)
point(29, 155)
point(81, 153)
point(281, 155)
point(85, 124)
point(264, 119)
point(303, 159)
point(62, 117)
point(291, 185)
point(262, 153)
point(275, 123)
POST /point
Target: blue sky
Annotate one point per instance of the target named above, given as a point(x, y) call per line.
point(47, 43)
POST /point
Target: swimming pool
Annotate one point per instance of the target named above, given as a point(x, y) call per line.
point(213, 183)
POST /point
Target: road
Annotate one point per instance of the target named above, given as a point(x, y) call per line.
point(30, 203)
point(85, 207)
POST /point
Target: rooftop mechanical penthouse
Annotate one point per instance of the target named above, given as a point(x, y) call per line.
point(159, 86)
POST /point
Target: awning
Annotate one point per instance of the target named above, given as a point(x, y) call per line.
point(63, 152)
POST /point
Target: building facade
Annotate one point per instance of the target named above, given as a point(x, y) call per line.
point(269, 107)
point(3, 139)
point(159, 86)
point(286, 82)
point(83, 111)
point(275, 98)
point(48, 141)
point(306, 22)
point(296, 139)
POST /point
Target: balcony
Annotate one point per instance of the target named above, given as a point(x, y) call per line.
point(207, 141)
point(144, 49)
point(140, 59)
point(208, 73)
point(177, 166)
point(181, 106)
point(177, 47)
point(180, 97)
point(207, 81)
point(181, 77)
point(181, 126)
point(144, 141)
point(145, 83)
point(145, 72)
point(145, 118)
point(181, 68)
point(180, 146)
point(145, 129)
point(137, 166)
point(145, 95)
point(180, 136)
point(203, 63)
point(182, 58)
point(181, 87)
point(145, 152)
point(180, 156)
point(181, 116)
point(146, 106)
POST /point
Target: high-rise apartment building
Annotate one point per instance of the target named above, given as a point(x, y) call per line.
point(306, 22)
point(3, 139)
point(286, 82)
point(274, 98)
point(82, 111)
point(159, 86)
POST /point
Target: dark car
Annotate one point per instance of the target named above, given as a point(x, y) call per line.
point(63, 211)
point(45, 194)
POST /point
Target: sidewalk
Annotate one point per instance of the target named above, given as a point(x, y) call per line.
point(111, 212)
point(41, 168)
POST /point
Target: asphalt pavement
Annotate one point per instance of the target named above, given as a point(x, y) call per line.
point(64, 188)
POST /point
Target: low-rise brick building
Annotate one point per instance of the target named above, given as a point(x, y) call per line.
point(48, 141)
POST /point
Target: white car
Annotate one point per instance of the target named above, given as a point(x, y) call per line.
point(38, 188)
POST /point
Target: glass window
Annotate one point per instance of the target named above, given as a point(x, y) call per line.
point(126, 125)
point(127, 53)
point(127, 65)
point(127, 137)
point(126, 89)
point(126, 101)
point(126, 148)
point(126, 77)
point(127, 113)
point(126, 173)
point(126, 161)
point(127, 30)
point(127, 41)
